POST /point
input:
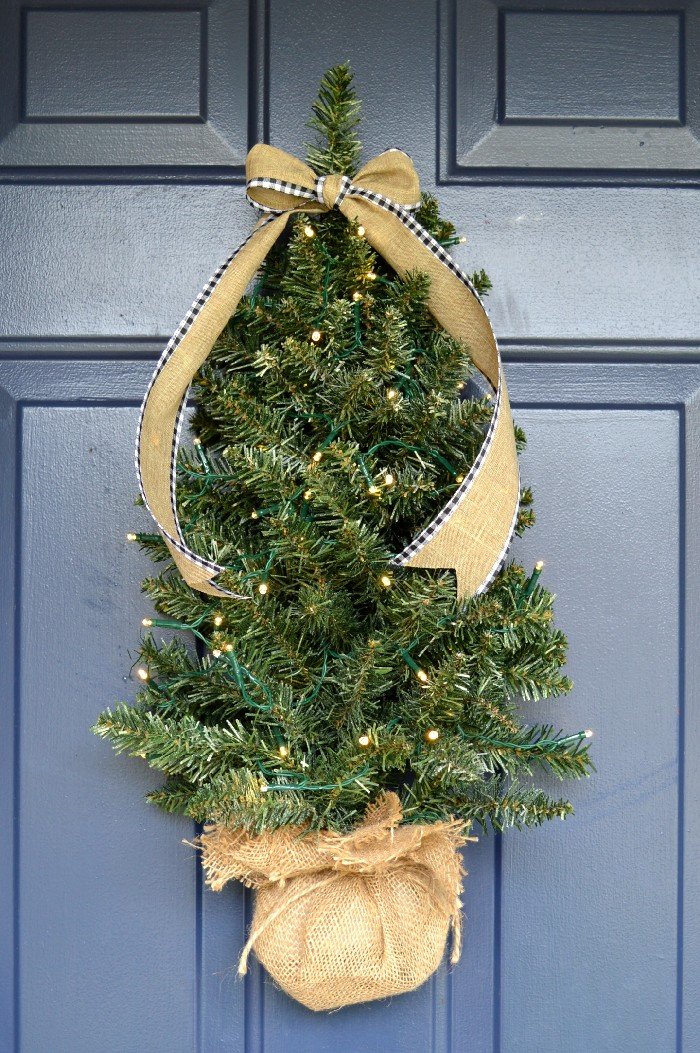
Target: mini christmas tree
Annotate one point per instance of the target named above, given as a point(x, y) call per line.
point(332, 421)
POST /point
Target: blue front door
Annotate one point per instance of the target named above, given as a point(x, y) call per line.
point(563, 141)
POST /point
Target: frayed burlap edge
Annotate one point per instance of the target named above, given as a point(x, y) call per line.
point(298, 864)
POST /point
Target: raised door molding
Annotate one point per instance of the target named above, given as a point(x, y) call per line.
point(599, 92)
point(620, 536)
point(159, 89)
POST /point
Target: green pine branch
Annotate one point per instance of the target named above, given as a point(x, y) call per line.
point(335, 117)
point(333, 419)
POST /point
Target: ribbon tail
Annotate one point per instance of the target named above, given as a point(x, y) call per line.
point(163, 406)
point(472, 533)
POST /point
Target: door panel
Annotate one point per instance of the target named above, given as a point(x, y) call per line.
point(563, 143)
point(596, 920)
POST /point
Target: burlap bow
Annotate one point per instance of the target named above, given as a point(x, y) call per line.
point(345, 917)
point(472, 532)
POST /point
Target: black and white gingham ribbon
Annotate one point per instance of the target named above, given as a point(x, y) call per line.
point(404, 214)
point(179, 542)
point(347, 187)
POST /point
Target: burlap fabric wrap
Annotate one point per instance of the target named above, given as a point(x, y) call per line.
point(343, 918)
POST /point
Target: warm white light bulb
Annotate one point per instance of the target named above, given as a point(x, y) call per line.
point(308, 494)
point(147, 622)
point(216, 653)
point(432, 735)
point(253, 515)
point(588, 733)
point(374, 490)
point(363, 740)
point(357, 296)
point(317, 456)
point(142, 673)
point(391, 393)
point(459, 478)
point(284, 751)
point(131, 537)
point(316, 335)
point(218, 619)
point(539, 565)
point(262, 588)
point(360, 231)
point(385, 581)
point(309, 230)
point(422, 676)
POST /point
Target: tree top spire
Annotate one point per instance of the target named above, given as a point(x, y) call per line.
point(335, 117)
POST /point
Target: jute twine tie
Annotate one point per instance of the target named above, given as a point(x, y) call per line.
point(343, 918)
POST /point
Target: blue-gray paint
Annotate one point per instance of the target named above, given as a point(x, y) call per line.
point(582, 937)
point(559, 66)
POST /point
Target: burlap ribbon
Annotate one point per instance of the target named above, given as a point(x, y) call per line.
point(472, 532)
point(344, 918)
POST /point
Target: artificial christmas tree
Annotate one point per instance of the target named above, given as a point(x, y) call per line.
point(322, 666)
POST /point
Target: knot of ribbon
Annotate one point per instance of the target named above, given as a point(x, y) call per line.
point(277, 182)
point(472, 532)
point(331, 189)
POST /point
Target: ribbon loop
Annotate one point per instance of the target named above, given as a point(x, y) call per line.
point(472, 532)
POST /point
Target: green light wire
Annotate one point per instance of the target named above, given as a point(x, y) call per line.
point(357, 316)
point(319, 416)
point(544, 745)
point(265, 569)
point(318, 786)
point(333, 434)
point(310, 697)
point(530, 585)
point(208, 476)
point(271, 509)
point(324, 292)
point(192, 627)
point(415, 449)
point(324, 295)
point(239, 671)
point(407, 658)
point(404, 446)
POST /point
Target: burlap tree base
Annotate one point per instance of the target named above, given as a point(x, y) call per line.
point(346, 918)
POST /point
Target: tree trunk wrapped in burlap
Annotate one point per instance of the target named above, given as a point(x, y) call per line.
point(343, 918)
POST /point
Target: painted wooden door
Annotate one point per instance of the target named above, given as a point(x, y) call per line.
point(563, 140)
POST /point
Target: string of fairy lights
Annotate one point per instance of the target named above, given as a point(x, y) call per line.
point(240, 674)
point(392, 394)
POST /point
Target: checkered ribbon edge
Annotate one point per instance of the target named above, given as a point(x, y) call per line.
point(328, 192)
